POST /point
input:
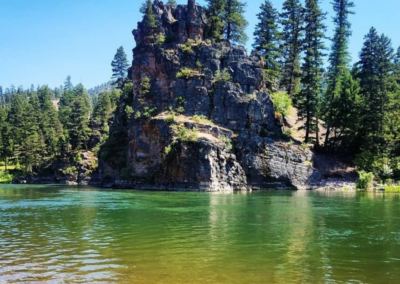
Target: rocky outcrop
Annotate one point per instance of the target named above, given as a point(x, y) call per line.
point(177, 71)
point(160, 160)
point(176, 24)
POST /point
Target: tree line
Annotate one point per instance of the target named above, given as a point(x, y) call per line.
point(37, 126)
point(358, 105)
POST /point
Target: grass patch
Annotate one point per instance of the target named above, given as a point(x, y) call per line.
point(3, 168)
point(392, 188)
point(202, 119)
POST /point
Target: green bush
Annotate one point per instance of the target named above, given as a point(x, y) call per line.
point(381, 167)
point(288, 132)
point(222, 76)
point(145, 86)
point(190, 42)
point(389, 181)
point(304, 146)
point(128, 111)
point(160, 39)
point(181, 109)
point(167, 150)
point(5, 177)
point(170, 118)
point(188, 46)
point(387, 172)
point(365, 181)
point(70, 171)
point(282, 103)
point(186, 73)
point(227, 141)
point(137, 114)
point(251, 97)
point(187, 49)
point(180, 100)
point(197, 40)
point(148, 111)
point(186, 135)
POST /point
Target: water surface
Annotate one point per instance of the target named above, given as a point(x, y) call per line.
point(55, 234)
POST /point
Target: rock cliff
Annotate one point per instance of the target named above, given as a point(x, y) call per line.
point(199, 116)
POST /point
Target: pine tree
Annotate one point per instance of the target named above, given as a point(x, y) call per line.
point(234, 21)
point(103, 108)
point(7, 142)
point(33, 151)
point(74, 114)
point(64, 109)
point(312, 69)
point(348, 106)
point(376, 71)
point(397, 65)
point(78, 122)
point(119, 67)
point(267, 40)
point(149, 20)
point(292, 21)
point(50, 124)
point(3, 116)
point(16, 118)
point(338, 60)
point(67, 84)
point(215, 11)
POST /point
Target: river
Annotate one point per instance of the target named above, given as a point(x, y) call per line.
point(59, 234)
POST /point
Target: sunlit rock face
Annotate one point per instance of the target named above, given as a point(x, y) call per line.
point(189, 76)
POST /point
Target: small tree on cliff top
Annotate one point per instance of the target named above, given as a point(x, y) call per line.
point(149, 20)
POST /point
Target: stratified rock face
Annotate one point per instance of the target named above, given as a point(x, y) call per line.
point(202, 165)
point(224, 84)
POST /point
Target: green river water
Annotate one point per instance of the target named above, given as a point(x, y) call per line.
point(56, 234)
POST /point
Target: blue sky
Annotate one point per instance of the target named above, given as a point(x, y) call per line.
point(43, 41)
